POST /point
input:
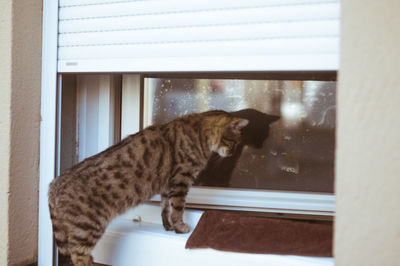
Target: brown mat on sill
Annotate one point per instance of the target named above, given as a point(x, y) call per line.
point(240, 233)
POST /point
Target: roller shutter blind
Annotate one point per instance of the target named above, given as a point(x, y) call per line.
point(198, 35)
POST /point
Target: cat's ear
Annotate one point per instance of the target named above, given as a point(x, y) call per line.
point(272, 118)
point(238, 123)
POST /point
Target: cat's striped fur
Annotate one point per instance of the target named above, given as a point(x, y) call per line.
point(163, 159)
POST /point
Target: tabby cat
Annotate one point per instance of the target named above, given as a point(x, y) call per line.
point(163, 159)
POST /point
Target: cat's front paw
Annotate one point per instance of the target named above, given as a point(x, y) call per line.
point(181, 228)
point(168, 227)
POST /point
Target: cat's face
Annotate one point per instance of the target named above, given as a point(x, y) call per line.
point(230, 136)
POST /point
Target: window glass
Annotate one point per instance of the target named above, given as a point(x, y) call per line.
point(297, 154)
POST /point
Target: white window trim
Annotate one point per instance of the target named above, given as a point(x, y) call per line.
point(262, 201)
point(47, 128)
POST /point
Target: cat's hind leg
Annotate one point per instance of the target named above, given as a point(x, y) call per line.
point(83, 237)
point(81, 259)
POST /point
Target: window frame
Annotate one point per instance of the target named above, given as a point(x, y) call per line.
point(292, 202)
point(50, 126)
point(133, 91)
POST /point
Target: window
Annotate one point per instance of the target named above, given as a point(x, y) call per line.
point(105, 54)
point(297, 155)
point(290, 171)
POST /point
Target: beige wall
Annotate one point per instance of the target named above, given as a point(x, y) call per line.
point(368, 137)
point(20, 54)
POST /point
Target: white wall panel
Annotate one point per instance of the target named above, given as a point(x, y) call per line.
point(130, 107)
point(96, 112)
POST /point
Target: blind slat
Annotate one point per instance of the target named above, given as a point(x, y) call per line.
point(236, 32)
point(140, 8)
point(206, 49)
point(68, 3)
point(232, 17)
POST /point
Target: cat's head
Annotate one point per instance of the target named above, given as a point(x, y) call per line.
point(255, 133)
point(225, 133)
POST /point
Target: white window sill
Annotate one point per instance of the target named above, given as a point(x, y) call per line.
point(148, 244)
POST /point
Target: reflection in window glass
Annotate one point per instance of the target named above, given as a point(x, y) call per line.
point(298, 154)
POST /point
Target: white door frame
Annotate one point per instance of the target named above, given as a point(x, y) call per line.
point(48, 128)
